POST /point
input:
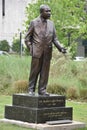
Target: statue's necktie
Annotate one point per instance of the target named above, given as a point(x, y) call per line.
point(44, 28)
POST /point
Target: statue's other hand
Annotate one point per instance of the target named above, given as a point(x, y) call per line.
point(63, 50)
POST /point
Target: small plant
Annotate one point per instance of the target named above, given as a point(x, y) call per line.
point(73, 49)
point(27, 52)
point(72, 93)
point(74, 69)
point(20, 86)
point(57, 89)
point(83, 80)
point(83, 93)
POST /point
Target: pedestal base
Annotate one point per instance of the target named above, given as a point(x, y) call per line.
point(31, 110)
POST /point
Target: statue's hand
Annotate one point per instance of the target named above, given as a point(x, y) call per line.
point(29, 46)
point(63, 50)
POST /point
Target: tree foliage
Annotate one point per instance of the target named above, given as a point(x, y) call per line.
point(16, 45)
point(4, 45)
point(69, 16)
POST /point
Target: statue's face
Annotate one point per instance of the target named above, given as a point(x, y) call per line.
point(46, 13)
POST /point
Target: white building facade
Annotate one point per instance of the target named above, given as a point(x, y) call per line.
point(13, 19)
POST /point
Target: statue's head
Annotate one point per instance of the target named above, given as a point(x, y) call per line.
point(45, 11)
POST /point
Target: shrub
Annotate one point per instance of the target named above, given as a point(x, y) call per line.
point(16, 45)
point(20, 86)
point(83, 93)
point(72, 93)
point(5, 84)
point(56, 89)
point(4, 45)
point(83, 80)
point(27, 51)
point(74, 69)
point(73, 50)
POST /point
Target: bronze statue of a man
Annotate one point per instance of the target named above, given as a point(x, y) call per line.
point(39, 39)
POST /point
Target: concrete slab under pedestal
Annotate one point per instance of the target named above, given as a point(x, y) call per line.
point(44, 126)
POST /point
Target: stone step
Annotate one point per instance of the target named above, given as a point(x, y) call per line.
point(37, 101)
point(58, 122)
point(38, 115)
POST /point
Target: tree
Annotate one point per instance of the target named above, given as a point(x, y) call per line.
point(69, 17)
point(16, 45)
point(4, 45)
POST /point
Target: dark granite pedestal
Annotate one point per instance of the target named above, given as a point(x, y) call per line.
point(38, 109)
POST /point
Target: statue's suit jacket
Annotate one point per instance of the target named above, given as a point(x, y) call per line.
point(41, 42)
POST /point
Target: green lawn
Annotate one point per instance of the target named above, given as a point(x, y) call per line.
point(3, 101)
point(4, 126)
point(79, 112)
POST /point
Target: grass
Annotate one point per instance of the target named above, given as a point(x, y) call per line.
point(63, 72)
point(12, 68)
point(3, 101)
point(79, 110)
point(81, 129)
point(4, 126)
